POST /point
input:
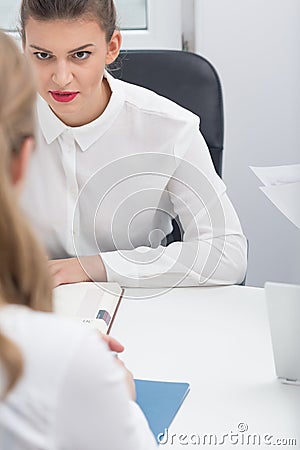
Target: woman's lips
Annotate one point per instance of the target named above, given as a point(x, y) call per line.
point(63, 96)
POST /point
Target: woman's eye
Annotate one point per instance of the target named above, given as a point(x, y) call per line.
point(81, 55)
point(42, 55)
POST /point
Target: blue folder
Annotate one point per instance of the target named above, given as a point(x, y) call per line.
point(160, 401)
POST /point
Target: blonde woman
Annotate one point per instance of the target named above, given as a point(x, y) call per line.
point(115, 162)
point(60, 386)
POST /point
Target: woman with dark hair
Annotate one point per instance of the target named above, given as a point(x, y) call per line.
point(60, 386)
point(116, 162)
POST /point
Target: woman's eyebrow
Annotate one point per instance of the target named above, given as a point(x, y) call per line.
point(40, 49)
point(82, 47)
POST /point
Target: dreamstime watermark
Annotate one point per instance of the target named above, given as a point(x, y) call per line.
point(240, 437)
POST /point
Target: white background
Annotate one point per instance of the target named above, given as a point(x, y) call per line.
point(9, 11)
point(255, 46)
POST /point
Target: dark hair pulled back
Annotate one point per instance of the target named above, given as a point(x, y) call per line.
point(102, 11)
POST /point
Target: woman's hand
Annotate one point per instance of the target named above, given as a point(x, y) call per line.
point(115, 346)
point(75, 270)
point(128, 379)
point(112, 343)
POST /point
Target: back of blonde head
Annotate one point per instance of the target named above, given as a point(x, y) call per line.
point(23, 273)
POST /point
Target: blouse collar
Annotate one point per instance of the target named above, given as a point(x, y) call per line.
point(86, 135)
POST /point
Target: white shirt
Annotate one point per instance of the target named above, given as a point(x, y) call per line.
point(72, 395)
point(111, 187)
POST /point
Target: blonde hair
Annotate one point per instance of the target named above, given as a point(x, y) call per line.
point(24, 277)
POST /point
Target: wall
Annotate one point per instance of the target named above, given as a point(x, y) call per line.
point(255, 46)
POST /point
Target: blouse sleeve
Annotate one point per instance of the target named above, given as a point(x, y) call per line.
point(213, 250)
point(93, 406)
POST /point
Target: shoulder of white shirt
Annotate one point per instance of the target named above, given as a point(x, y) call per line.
point(148, 101)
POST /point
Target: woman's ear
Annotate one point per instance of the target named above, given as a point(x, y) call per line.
point(20, 161)
point(113, 48)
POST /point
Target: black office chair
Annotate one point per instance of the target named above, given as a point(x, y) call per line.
point(187, 79)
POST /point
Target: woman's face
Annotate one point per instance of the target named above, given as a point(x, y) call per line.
point(69, 58)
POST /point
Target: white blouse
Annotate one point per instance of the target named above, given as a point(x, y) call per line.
point(112, 187)
point(72, 395)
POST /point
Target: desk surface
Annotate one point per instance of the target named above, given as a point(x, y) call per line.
point(218, 340)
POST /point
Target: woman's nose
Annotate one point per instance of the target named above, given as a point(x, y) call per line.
point(62, 75)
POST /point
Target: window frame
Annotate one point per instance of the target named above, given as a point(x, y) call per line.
point(164, 21)
point(162, 32)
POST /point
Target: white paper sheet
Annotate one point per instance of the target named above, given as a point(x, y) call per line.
point(93, 304)
point(282, 187)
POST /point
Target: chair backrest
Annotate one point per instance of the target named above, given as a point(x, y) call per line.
point(187, 79)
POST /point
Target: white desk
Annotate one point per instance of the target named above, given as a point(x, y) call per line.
point(218, 340)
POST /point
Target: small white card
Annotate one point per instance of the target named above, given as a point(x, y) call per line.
point(93, 304)
point(282, 187)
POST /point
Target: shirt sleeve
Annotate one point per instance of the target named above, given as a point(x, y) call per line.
point(213, 250)
point(94, 410)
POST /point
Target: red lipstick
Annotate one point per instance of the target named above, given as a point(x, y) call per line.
point(63, 96)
